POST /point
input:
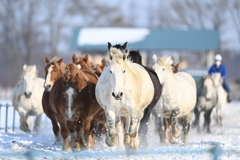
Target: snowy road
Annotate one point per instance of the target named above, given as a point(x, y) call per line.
point(223, 143)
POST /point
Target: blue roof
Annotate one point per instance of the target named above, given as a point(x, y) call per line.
point(95, 39)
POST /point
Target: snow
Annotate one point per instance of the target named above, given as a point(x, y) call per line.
point(223, 143)
point(114, 35)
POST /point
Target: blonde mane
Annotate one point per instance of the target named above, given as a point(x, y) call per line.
point(167, 62)
point(54, 60)
point(116, 55)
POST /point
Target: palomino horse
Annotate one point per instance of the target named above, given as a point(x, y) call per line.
point(218, 111)
point(136, 57)
point(206, 100)
point(27, 96)
point(124, 89)
point(73, 99)
point(178, 96)
point(54, 69)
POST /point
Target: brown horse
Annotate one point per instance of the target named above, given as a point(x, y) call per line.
point(99, 122)
point(73, 99)
point(53, 70)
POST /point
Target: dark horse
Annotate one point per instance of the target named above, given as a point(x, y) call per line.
point(73, 99)
point(136, 57)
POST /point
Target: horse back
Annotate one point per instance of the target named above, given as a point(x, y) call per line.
point(157, 86)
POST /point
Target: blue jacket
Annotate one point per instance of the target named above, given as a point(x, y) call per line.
point(221, 69)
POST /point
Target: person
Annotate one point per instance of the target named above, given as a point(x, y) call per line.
point(218, 67)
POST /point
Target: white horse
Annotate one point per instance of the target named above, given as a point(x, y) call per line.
point(178, 96)
point(27, 98)
point(218, 111)
point(124, 89)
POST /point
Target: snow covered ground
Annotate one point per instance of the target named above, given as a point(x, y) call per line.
point(223, 143)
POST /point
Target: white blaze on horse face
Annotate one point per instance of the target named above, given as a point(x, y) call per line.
point(117, 78)
point(48, 78)
point(70, 93)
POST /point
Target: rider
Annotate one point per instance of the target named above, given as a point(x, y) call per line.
point(218, 67)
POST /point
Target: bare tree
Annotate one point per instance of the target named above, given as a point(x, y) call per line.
point(234, 9)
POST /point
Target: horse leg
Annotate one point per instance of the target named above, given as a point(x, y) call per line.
point(24, 120)
point(64, 132)
point(134, 125)
point(144, 126)
point(126, 130)
point(165, 136)
point(207, 120)
point(174, 125)
point(186, 126)
point(37, 124)
point(72, 134)
point(196, 121)
point(112, 133)
point(87, 132)
point(119, 126)
point(159, 127)
point(55, 128)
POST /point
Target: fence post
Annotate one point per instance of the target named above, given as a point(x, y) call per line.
point(6, 118)
point(13, 127)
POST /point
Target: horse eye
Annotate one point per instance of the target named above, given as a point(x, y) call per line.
point(163, 69)
point(124, 71)
point(110, 71)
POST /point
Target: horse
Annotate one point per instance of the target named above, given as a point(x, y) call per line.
point(136, 57)
point(73, 100)
point(54, 69)
point(178, 97)
point(84, 64)
point(26, 98)
point(124, 89)
point(207, 98)
point(219, 109)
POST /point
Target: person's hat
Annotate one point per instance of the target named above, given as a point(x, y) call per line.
point(218, 57)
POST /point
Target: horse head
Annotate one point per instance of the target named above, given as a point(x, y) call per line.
point(75, 80)
point(135, 57)
point(217, 79)
point(82, 62)
point(29, 78)
point(117, 68)
point(54, 70)
point(206, 86)
point(163, 67)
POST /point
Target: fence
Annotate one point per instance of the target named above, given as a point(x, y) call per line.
point(7, 118)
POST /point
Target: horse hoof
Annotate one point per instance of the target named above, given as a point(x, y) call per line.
point(77, 146)
point(67, 149)
point(127, 139)
point(110, 142)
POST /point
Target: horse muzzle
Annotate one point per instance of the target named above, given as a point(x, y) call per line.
point(117, 96)
point(27, 95)
point(47, 88)
point(70, 115)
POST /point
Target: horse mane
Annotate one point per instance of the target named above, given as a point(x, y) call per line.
point(54, 60)
point(167, 62)
point(135, 57)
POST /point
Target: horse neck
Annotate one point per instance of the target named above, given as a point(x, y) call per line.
point(92, 77)
point(170, 79)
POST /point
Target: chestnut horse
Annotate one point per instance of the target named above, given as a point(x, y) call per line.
point(85, 65)
point(54, 69)
point(73, 99)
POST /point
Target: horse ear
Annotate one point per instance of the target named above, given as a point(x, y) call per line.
point(86, 58)
point(169, 60)
point(25, 67)
point(74, 57)
point(34, 68)
point(60, 61)
point(125, 55)
point(109, 45)
point(47, 60)
point(154, 57)
point(124, 46)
